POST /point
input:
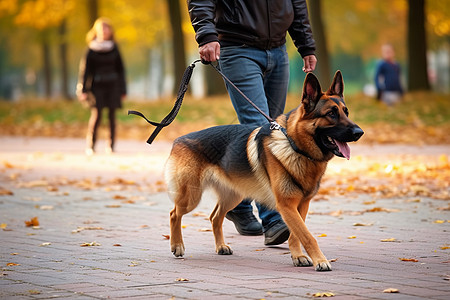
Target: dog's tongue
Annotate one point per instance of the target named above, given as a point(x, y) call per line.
point(343, 148)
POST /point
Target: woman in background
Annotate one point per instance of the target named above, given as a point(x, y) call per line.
point(101, 81)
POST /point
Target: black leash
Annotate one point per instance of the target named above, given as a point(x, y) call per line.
point(182, 91)
point(176, 108)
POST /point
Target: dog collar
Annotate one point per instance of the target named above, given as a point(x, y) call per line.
point(275, 126)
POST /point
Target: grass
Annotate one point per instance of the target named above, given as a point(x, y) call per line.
point(39, 117)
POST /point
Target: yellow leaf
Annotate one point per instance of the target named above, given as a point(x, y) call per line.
point(181, 279)
point(12, 264)
point(391, 290)
point(362, 224)
point(409, 259)
point(322, 235)
point(389, 240)
point(32, 223)
point(320, 295)
point(439, 221)
point(92, 244)
point(3, 225)
point(352, 237)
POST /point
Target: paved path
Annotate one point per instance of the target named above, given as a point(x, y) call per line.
point(103, 226)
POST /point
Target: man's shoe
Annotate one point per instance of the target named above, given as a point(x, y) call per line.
point(245, 222)
point(276, 234)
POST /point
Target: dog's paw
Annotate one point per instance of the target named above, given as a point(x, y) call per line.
point(178, 250)
point(302, 261)
point(323, 266)
point(224, 250)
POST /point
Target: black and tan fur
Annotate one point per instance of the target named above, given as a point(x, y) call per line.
point(240, 161)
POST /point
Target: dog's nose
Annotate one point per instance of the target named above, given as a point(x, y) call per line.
point(357, 132)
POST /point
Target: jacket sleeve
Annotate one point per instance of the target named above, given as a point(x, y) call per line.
point(85, 74)
point(202, 14)
point(300, 29)
point(121, 71)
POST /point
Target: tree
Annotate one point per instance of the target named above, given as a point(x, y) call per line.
point(179, 56)
point(417, 47)
point(323, 61)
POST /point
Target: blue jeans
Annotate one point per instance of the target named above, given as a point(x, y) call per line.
point(263, 76)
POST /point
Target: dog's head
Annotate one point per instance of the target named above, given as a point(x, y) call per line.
point(331, 127)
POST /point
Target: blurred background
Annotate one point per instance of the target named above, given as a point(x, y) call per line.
point(42, 41)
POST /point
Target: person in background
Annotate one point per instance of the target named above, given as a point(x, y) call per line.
point(249, 39)
point(101, 81)
point(387, 77)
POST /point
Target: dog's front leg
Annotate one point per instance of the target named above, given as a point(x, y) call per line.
point(288, 209)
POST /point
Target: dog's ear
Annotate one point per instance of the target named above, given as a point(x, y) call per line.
point(311, 92)
point(337, 86)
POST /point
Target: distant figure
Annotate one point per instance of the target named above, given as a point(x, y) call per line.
point(387, 77)
point(101, 81)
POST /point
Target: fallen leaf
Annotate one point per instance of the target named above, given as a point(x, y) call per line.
point(439, 221)
point(32, 223)
point(92, 244)
point(321, 295)
point(352, 237)
point(113, 205)
point(166, 236)
point(133, 264)
point(119, 197)
point(5, 192)
point(34, 292)
point(46, 207)
point(322, 235)
point(362, 224)
point(445, 247)
point(12, 264)
point(260, 249)
point(333, 260)
point(117, 245)
point(199, 214)
point(14, 253)
point(409, 259)
point(181, 279)
point(205, 229)
point(45, 244)
point(389, 240)
point(391, 290)
point(3, 225)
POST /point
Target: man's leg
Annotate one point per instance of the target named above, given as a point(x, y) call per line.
point(247, 68)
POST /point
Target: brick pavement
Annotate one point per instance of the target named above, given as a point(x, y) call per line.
point(128, 218)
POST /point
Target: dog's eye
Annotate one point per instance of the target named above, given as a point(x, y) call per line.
point(346, 111)
point(333, 113)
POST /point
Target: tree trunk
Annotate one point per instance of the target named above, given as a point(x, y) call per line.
point(214, 82)
point(179, 57)
point(323, 60)
point(417, 47)
point(64, 62)
point(47, 68)
point(92, 6)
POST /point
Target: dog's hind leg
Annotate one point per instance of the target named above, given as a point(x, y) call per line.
point(227, 200)
point(186, 198)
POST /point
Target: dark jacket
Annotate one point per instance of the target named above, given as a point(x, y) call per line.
point(387, 77)
point(103, 74)
point(257, 23)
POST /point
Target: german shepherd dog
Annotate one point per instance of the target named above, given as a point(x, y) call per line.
point(281, 169)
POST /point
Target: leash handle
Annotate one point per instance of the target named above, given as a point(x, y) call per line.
point(176, 108)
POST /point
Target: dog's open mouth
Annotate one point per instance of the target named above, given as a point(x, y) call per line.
point(337, 147)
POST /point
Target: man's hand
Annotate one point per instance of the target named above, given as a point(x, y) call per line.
point(210, 52)
point(309, 63)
